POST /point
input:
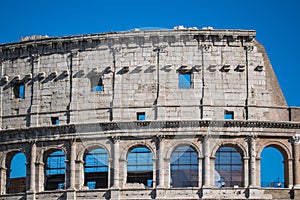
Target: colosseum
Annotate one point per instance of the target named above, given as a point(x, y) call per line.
point(144, 114)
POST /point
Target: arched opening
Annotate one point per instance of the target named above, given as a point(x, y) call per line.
point(17, 175)
point(140, 166)
point(96, 169)
point(228, 168)
point(272, 168)
point(55, 171)
point(184, 167)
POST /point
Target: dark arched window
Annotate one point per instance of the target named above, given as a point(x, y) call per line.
point(96, 169)
point(140, 166)
point(17, 176)
point(271, 158)
point(55, 171)
point(184, 167)
point(229, 168)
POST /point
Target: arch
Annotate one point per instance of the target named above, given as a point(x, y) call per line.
point(184, 167)
point(55, 169)
point(287, 157)
point(238, 146)
point(17, 172)
point(228, 167)
point(83, 151)
point(283, 148)
point(140, 165)
point(133, 145)
point(96, 168)
point(45, 152)
point(175, 145)
point(10, 154)
point(273, 156)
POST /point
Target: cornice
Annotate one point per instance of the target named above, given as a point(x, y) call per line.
point(108, 128)
point(44, 46)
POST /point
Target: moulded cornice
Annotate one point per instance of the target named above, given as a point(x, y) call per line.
point(110, 128)
point(87, 42)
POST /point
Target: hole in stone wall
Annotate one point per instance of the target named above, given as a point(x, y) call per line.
point(55, 120)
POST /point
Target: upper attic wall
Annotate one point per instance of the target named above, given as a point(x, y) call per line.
point(272, 83)
point(223, 66)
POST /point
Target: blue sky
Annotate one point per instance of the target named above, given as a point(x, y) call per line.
point(277, 23)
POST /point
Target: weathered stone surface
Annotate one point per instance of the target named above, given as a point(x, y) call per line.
point(139, 71)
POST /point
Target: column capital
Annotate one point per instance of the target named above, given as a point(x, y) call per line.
point(32, 142)
point(115, 139)
point(251, 138)
point(295, 139)
point(160, 138)
point(73, 141)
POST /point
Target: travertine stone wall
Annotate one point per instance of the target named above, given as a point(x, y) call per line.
point(223, 65)
point(230, 72)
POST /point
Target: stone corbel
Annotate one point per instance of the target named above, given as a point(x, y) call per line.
point(233, 41)
point(160, 138)
point(219, 40)
point(12, 49)
point(295, 140)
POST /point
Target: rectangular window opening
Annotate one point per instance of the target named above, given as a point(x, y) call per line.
point(19, 90)
point(185, 80)
point(97, 84)
point(228, 114)
point(55, 120)
point(141, 116)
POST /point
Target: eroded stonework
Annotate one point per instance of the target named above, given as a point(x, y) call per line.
point(154, 89)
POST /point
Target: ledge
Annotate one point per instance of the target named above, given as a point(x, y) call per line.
point(67, 44)
point(106, 129)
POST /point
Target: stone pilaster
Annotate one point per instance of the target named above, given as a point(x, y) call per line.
point(200, 160)
point(33, 119)
point(32, 166)
point(246, 171)
point(258, 159)
point(296, 148)
point(115, 189)
point(109, 181)
point(251, 140)
point(3, 180)
point(162, 175)
point(72, 165)
point(290, 172)
point(40, 179)
point(207, 166)
point(161, 167)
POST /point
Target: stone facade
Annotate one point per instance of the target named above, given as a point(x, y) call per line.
point(51, 99)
